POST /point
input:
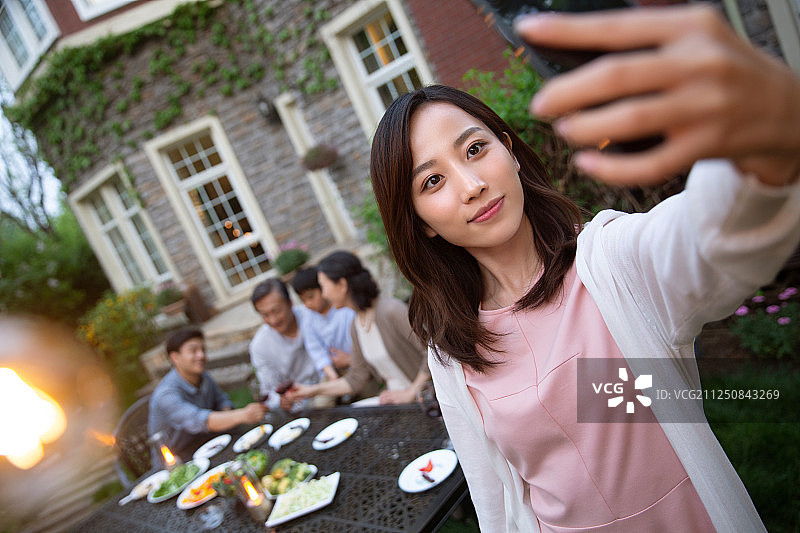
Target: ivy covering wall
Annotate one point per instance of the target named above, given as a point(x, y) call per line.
point(86, 107)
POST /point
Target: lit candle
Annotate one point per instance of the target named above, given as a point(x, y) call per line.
point(170, 459)
point(250, 491)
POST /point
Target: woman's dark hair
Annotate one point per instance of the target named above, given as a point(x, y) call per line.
point(447, 284)
point(361, 288)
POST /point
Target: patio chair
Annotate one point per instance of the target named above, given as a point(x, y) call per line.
point(131, 443)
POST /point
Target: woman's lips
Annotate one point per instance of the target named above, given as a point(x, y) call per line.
point(488, 211)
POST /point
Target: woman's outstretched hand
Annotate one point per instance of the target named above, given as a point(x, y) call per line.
point(685, 75)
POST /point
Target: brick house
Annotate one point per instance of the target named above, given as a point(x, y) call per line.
point(178, 127)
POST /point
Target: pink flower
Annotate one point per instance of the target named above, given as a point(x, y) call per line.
point(743, 310)
point(787, 293)
point(758, 298)
point(772, 309)
point(784, 320)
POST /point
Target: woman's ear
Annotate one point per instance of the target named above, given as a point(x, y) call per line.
point(507, 142)
point(430, 232)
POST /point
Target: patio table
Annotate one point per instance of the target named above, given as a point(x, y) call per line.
point(368, 498)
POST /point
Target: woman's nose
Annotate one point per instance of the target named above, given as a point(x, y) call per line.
point(472, 185)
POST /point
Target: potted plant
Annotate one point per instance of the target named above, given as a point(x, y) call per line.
point(170, 299)
point(292, 257)
point(320, 156)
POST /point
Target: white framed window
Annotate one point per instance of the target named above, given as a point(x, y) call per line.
point(120, 231)
point(89, 9)
point(26, 32)
point(374, 48)
point(214, 204)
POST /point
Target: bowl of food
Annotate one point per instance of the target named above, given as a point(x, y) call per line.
point(285, 475)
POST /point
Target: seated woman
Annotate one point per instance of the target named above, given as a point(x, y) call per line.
point(384, 347)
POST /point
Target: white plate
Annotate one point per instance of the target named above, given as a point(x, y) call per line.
point(145, 486)
point(212, 447)
point(311, 474)
point(252, 438)
point(198, 481)
point(443, 461)
point(288, 432)
point(335, 434)
point(333, 479)
point(203, 463)
point(367, 402)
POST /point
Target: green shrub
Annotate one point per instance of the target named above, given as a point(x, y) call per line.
point(768, 327)
point(168, 294)
point(121, 328)
point(53, 275)
point(292, 256)
point(369, 216)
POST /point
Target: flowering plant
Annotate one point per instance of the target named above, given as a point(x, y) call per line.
point(292, 256)
point(121, 327)
point(768, 326)
point(168, 293)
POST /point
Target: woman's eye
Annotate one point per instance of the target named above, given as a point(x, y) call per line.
point(432, 181)
point(475, 148)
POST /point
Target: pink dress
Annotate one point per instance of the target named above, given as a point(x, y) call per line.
point(581, 477)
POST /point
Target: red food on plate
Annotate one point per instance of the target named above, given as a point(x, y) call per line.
point(428, 467)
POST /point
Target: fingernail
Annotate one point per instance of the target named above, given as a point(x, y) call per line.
point(538, 104)
point(586, 161)
point(561, 127)
point(527, 22)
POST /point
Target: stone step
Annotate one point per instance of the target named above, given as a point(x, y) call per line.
point(67, 507)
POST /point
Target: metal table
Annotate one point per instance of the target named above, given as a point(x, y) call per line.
point(368, 498)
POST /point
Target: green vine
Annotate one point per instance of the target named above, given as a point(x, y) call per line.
point(87, 96)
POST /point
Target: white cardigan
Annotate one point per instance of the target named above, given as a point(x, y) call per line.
point(656, 277)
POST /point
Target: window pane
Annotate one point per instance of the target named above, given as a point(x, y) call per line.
point(100, 208)
point(34, 18)
point(125, 195)
point(149, 245)
point(406, 82)
point(125, 256)
point(13, 38)
point(194, 156)
point(220, 213)
point(379, 43)
point(245, 264)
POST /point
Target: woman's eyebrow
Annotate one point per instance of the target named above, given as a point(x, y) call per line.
point(465, 135)
point(458, 142)
point(424, 166)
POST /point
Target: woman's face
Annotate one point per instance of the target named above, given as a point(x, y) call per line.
point(333, 291)
point(465, 185)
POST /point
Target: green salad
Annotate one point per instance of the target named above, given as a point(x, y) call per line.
point(179, 477)
point(285, 475)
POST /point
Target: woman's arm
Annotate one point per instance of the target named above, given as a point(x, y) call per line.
point(685, 74)
point(337, 387)
point(406, 395)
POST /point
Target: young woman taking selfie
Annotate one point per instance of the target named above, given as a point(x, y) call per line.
point(512, 290)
